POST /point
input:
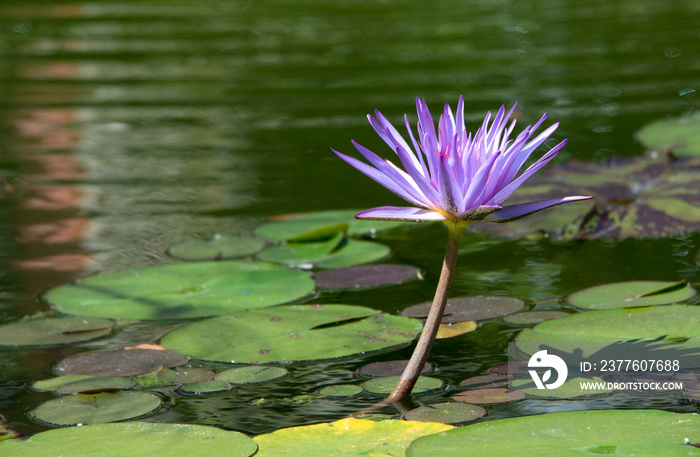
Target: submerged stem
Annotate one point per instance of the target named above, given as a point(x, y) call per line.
point(427, 338)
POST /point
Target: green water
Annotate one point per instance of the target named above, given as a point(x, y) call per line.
point(128, 126)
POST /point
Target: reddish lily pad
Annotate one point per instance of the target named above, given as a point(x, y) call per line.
point(133, 439)
point(463, 309)
point(54, 332)
point(217, 248)
point(389, 368)
point(488, 381)
point(185, 290)
point(95, 408)
point(292, 333)
point(446, 413)
point(118, 362)
point(632, 294)
point(386, 385)
point(365, 276)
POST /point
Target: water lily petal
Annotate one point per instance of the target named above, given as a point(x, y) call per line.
point(400, 213)
point(513, 212)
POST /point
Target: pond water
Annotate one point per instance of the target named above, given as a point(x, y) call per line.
point(127, 126)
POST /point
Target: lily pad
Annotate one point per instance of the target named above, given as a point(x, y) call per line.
point(446, 413)
point(390, 368)
point(135, 439)
point(95, 385)
point(487, 381)
point(637, 197)
point(334, 253)
point(184, 290)
point(95, 408)
point(570, 389)
point(632, 294)
point(346, 437)
point(51, 384)
point(463, 309)
point(617, 432)
point(492, 395)
point(53, 332)
point(205, 387)
point(679, 135)
point(386, 385)
point(365, 276)
point(292, 333)
point(118, 362)
point(672, 323)
point(217, 248)
point(252, 374)
point(344, 390)
point(456, 329)
point(298, 225)
point(533, 317)
point(185, 375)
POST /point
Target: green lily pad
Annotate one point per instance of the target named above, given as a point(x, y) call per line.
point(344, 390)
point(130, 362)
point(461, 309)
point(53, 332)
point(184, 290)
point(205, 387)
point(533, 317)
point(621, 433)
point(292, 333)
point(299, 225)
point(353, 437)
point(252, 374)
point(217, 248)
point(95, 385)
point(386, 385)
point(673, 323)
point(637, 197)
point(446, 413)
point(570, 389)
point(336, 252)
point(365, 276)
point(134, 439)
point(6, 433)
point(632, 294)
point(679, 135)
point(185, 375)
point(51, 384)
point(95, 408)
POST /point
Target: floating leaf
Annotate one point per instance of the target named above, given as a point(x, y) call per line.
point(185, 375)
point(390, 368)
point(292, 333)
point(95, 408)
point(621, 432)
point(53, 332)
point(493, 395)
point(217, 248)
point(533, 317)
point(333, 253)
point(387, 384)
point(463, 309)
point(7, 433)
point(298, 226)
point(184, 290)
point(365, 276)
point(94, 385)
point(570, 389)
point(446, 413)
point(119, 363)
point(456, 329)
point(679, 135)
point(252, 374)
point(51, 384)
point(671, 322)
point(484, 382)
point(347, 436)
point(345, 390)
point(632, 294)
point(204, 387)
point(134, 439)
point(638, 197)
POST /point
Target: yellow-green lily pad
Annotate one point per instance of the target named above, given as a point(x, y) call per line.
point(95, 408)
point(251, 374)
point(679, 135)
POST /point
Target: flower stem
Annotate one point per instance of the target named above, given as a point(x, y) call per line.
point(427, 338)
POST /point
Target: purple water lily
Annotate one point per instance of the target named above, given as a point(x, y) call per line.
point(457, 178)
point(450, 174)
